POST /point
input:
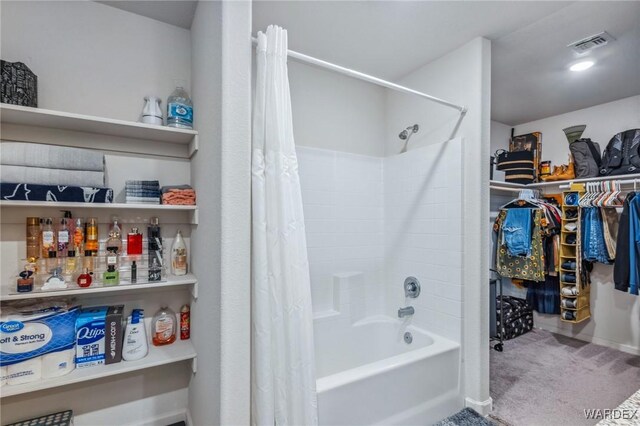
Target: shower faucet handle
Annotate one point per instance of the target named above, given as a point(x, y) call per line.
point(411, 287)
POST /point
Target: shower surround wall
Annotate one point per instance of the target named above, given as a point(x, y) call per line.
point(343, 210)
point(423, 235)
point(371, 222)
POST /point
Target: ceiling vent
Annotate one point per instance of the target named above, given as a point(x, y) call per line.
point(591, 42)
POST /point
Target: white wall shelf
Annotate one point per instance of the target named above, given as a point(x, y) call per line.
point(100, 289)
point(180, 350)
point(562, 182)
point(114, 206)
point(40, 125)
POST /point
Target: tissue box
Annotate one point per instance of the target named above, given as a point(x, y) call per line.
point(19, 84)
point(36, 342)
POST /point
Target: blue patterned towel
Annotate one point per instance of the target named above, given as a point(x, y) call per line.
point(74, 194)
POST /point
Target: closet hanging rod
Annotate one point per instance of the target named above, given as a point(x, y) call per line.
point(621, 182)
point(504, 188)
point(369, 78)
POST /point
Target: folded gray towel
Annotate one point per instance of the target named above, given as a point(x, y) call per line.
point(51, 156)
point(43, 176)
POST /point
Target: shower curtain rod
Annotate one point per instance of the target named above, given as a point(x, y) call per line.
point(369, 78)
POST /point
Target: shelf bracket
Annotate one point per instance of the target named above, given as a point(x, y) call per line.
point(194, 216)
point(194, 365)
point(194, 290)
point(193, 146)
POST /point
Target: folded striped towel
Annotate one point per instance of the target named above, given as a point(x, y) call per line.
point(51, 156)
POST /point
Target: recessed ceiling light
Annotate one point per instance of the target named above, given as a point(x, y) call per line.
point(581, 66)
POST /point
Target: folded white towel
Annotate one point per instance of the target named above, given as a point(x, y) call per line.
point(51, 156)
point(44, 176)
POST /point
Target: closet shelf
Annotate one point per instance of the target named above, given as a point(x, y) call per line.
point(115, 206)
point(100, 289)
point(180, 350)
point(26, 124)
point(562, 182)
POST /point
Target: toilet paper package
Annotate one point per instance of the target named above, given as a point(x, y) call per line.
point(37, 341)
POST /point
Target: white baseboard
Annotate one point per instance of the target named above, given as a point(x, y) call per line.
point(482, 407)
point(591, 339)
point(167, 419)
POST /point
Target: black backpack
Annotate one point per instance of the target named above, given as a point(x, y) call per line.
point(622, 154)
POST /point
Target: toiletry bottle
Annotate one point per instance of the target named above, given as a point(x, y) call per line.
point(151, 112)
point(155, 271)
point(134, 272)
point(91, 235)
point(70, 263)
point(84, 279)
point(115, 237)
point(134, 242)
point(135, 337)
point(163, 327)
point(63, 238)
point(111, 276)
point(55, 281)
point(185, 322)
point(179, 256)
point(33, 237)
point(179, 109)
point(47, 237)
point(78, 236)
point(154, 241)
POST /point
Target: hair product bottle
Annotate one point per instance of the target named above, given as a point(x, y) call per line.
point(179, 256)
point(91, 235)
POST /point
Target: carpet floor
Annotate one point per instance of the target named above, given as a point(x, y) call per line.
point(543, 378)
point(465, 417)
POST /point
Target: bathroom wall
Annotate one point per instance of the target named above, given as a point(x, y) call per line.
point(95, 59)
point(423, 235)
point(332, 111)
point(343, 209)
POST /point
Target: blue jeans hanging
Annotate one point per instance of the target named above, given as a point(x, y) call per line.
point(593, 245)
point(516, 232)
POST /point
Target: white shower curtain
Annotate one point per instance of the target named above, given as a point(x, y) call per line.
point(283, 382)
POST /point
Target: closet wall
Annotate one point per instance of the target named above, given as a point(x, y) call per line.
point(615, 316)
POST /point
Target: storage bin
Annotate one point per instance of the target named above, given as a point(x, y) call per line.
point(19, 85)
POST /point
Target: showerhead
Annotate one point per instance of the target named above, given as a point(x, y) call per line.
point(406, 133)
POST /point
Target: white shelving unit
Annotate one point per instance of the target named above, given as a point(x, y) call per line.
point(101, 289)
point(26, 124)
point(68, 129)
point(541, 185)
point(180, 350)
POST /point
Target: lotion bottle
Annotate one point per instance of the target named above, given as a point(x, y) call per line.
point(135, 337)
point(179, 256)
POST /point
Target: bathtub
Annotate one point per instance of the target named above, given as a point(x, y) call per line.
point(368, 375)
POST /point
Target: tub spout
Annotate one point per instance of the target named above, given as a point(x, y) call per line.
point(405, 312)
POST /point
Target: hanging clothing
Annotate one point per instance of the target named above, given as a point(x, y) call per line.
point(610, 230)
point(634, 245)
point(526, 268)
point(283, 379)
point(593, 242)
point(516, 232)
point(622, 267)
point(544, 297)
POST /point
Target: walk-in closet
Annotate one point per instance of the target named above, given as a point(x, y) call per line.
point(565, 131)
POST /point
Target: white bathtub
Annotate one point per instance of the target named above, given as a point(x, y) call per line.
point(368, 375)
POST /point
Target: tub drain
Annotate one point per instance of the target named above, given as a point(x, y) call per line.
point(408, 338)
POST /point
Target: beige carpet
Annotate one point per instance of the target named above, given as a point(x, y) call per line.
point(545, 379)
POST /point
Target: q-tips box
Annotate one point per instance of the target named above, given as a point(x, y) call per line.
point(99, 336)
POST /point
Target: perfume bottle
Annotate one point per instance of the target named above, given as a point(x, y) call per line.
point(154, 241)
point(55, 281)
point(84, 279)
point(89, 261)
point(115, 234)
point(91, 235)
point(134, 242)
point(51, 261)
point(163, 327)
point(111, 276)
point(25, 281)
point(155, 271)
point(70, 263)
point(134, 272)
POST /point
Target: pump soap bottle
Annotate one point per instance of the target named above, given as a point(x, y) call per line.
point(135, 337)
